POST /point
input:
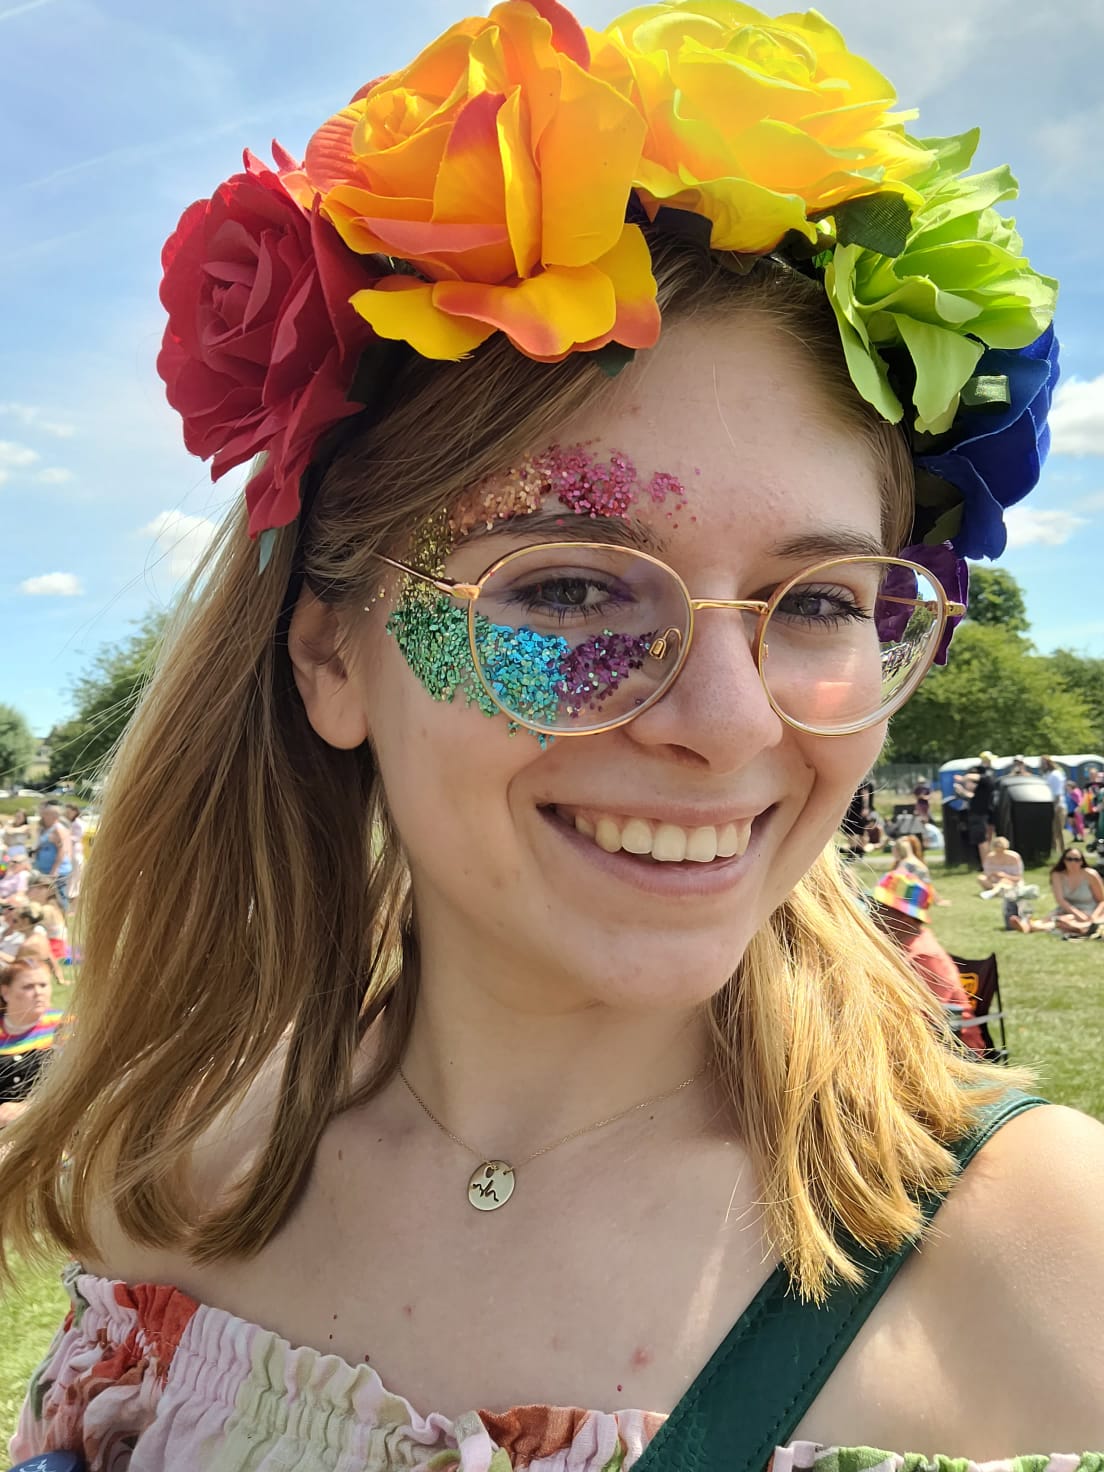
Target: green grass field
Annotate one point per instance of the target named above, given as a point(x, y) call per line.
point(1054, 991)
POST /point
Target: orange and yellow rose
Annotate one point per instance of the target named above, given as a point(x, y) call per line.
point(499, 167)
point(755, 122)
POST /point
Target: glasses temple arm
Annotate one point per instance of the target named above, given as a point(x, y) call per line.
point(468, 591)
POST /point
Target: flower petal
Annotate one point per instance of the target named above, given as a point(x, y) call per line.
point(521, 181)
point(587, 156)
point(544, 316)
point(470, 185)
point(403, 310)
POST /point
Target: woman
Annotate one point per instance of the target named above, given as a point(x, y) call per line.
point(53, 855)
point(554, 678)
point(17, 834)
point(28, 1025)
point(1001, 868)
point(908, 858)
point(73, 817)
point(1079, 895)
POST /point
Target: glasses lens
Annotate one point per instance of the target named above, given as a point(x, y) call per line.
point(847, 644)
point(574, 638)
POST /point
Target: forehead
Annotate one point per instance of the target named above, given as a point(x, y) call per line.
point(741, 415)
point(734, 444)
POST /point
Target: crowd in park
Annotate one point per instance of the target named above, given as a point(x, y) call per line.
point(40, 876)
point(901, 900)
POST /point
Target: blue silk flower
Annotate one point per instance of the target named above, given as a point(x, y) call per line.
point(1000, 451)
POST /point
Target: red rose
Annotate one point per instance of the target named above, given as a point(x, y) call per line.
point(261, 345)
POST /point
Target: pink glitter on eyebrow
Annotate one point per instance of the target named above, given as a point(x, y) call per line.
point(582, 483)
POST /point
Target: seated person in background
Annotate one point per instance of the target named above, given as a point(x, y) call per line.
point(11, 935)
point(14, 881)
point(18, 833)
point(41, 890)
point(1001, 868)
point(1079, 892)
point(28, 1024)
point(901, 904)
point(908, 855)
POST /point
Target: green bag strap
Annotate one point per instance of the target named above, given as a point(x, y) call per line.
point(776, 1358)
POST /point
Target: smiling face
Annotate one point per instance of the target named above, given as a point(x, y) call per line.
point(632, 866)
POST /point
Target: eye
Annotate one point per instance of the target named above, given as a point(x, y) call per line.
point(826, 606)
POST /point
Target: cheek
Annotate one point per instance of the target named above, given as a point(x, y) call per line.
point(446, 769)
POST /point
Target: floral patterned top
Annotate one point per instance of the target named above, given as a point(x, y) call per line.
point(145, 1379)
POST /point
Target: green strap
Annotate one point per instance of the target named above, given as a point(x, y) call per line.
point(774, 1361)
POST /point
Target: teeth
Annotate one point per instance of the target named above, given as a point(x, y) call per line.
point(666, 843)
point(701, 846)
point(669, 844)
point(732, 840)
point(607, 835)
point(636, 836)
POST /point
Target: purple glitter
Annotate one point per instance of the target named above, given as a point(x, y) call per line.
point(594, 670)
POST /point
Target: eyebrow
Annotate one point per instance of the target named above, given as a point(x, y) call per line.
point(824, 542)
point(563, 525)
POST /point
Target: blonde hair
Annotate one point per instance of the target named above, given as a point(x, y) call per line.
point(908, 846)
point(1000, 844)
point(287, 917)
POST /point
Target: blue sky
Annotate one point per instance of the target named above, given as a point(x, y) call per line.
point(117, 115)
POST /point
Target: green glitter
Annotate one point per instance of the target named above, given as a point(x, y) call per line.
point(432, 633)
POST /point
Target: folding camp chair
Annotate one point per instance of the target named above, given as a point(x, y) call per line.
point(982, 983)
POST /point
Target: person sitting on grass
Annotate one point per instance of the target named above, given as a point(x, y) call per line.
point(1002, 868)
point(908, 855)
point(901, 905)
point(1079, 892)
point(42, 890)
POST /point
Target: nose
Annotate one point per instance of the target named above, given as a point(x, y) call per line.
point(717, 711)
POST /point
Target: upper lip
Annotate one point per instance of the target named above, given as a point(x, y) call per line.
point(682, 815)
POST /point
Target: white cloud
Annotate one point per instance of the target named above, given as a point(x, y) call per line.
point(180, 539)
point(54, 475)
point(32, 414)
point(16, 457)
point(1077, 417)
point(52, 585)
point(1027, 527)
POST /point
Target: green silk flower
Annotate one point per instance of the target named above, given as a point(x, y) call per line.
point(961, 284)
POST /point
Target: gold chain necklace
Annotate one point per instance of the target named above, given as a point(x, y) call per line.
point(492, 1182)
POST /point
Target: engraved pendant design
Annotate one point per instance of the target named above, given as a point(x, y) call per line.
point(491, 1185)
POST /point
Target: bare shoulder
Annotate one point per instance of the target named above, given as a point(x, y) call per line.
point(983, 1345)
point(1019, 1248)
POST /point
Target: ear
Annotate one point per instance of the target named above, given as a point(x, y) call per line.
point(333, 703)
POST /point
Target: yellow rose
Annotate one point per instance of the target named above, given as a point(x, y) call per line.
point(756, 123)
point(499, 167)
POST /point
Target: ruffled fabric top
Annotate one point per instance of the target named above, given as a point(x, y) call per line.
point(145, 1379)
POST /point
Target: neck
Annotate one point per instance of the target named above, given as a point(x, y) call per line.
point(509, 1060)
point(14, 1023)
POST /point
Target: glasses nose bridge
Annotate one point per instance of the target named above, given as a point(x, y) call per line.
point(744, 605)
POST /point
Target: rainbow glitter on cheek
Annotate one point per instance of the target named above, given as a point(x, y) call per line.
point(540, 678)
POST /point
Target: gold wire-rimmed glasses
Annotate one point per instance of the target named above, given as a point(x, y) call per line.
point(573, 638)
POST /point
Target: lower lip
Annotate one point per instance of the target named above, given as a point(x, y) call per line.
point(666, 880)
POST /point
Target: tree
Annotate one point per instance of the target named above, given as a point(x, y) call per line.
point(995, 692)
point(1083, 675)
point(105, 699)
point(996, 598)
point(17, 745)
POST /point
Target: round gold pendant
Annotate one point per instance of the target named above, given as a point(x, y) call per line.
point(491, 1185)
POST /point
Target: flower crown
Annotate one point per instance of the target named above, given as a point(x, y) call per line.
point(495, 184)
